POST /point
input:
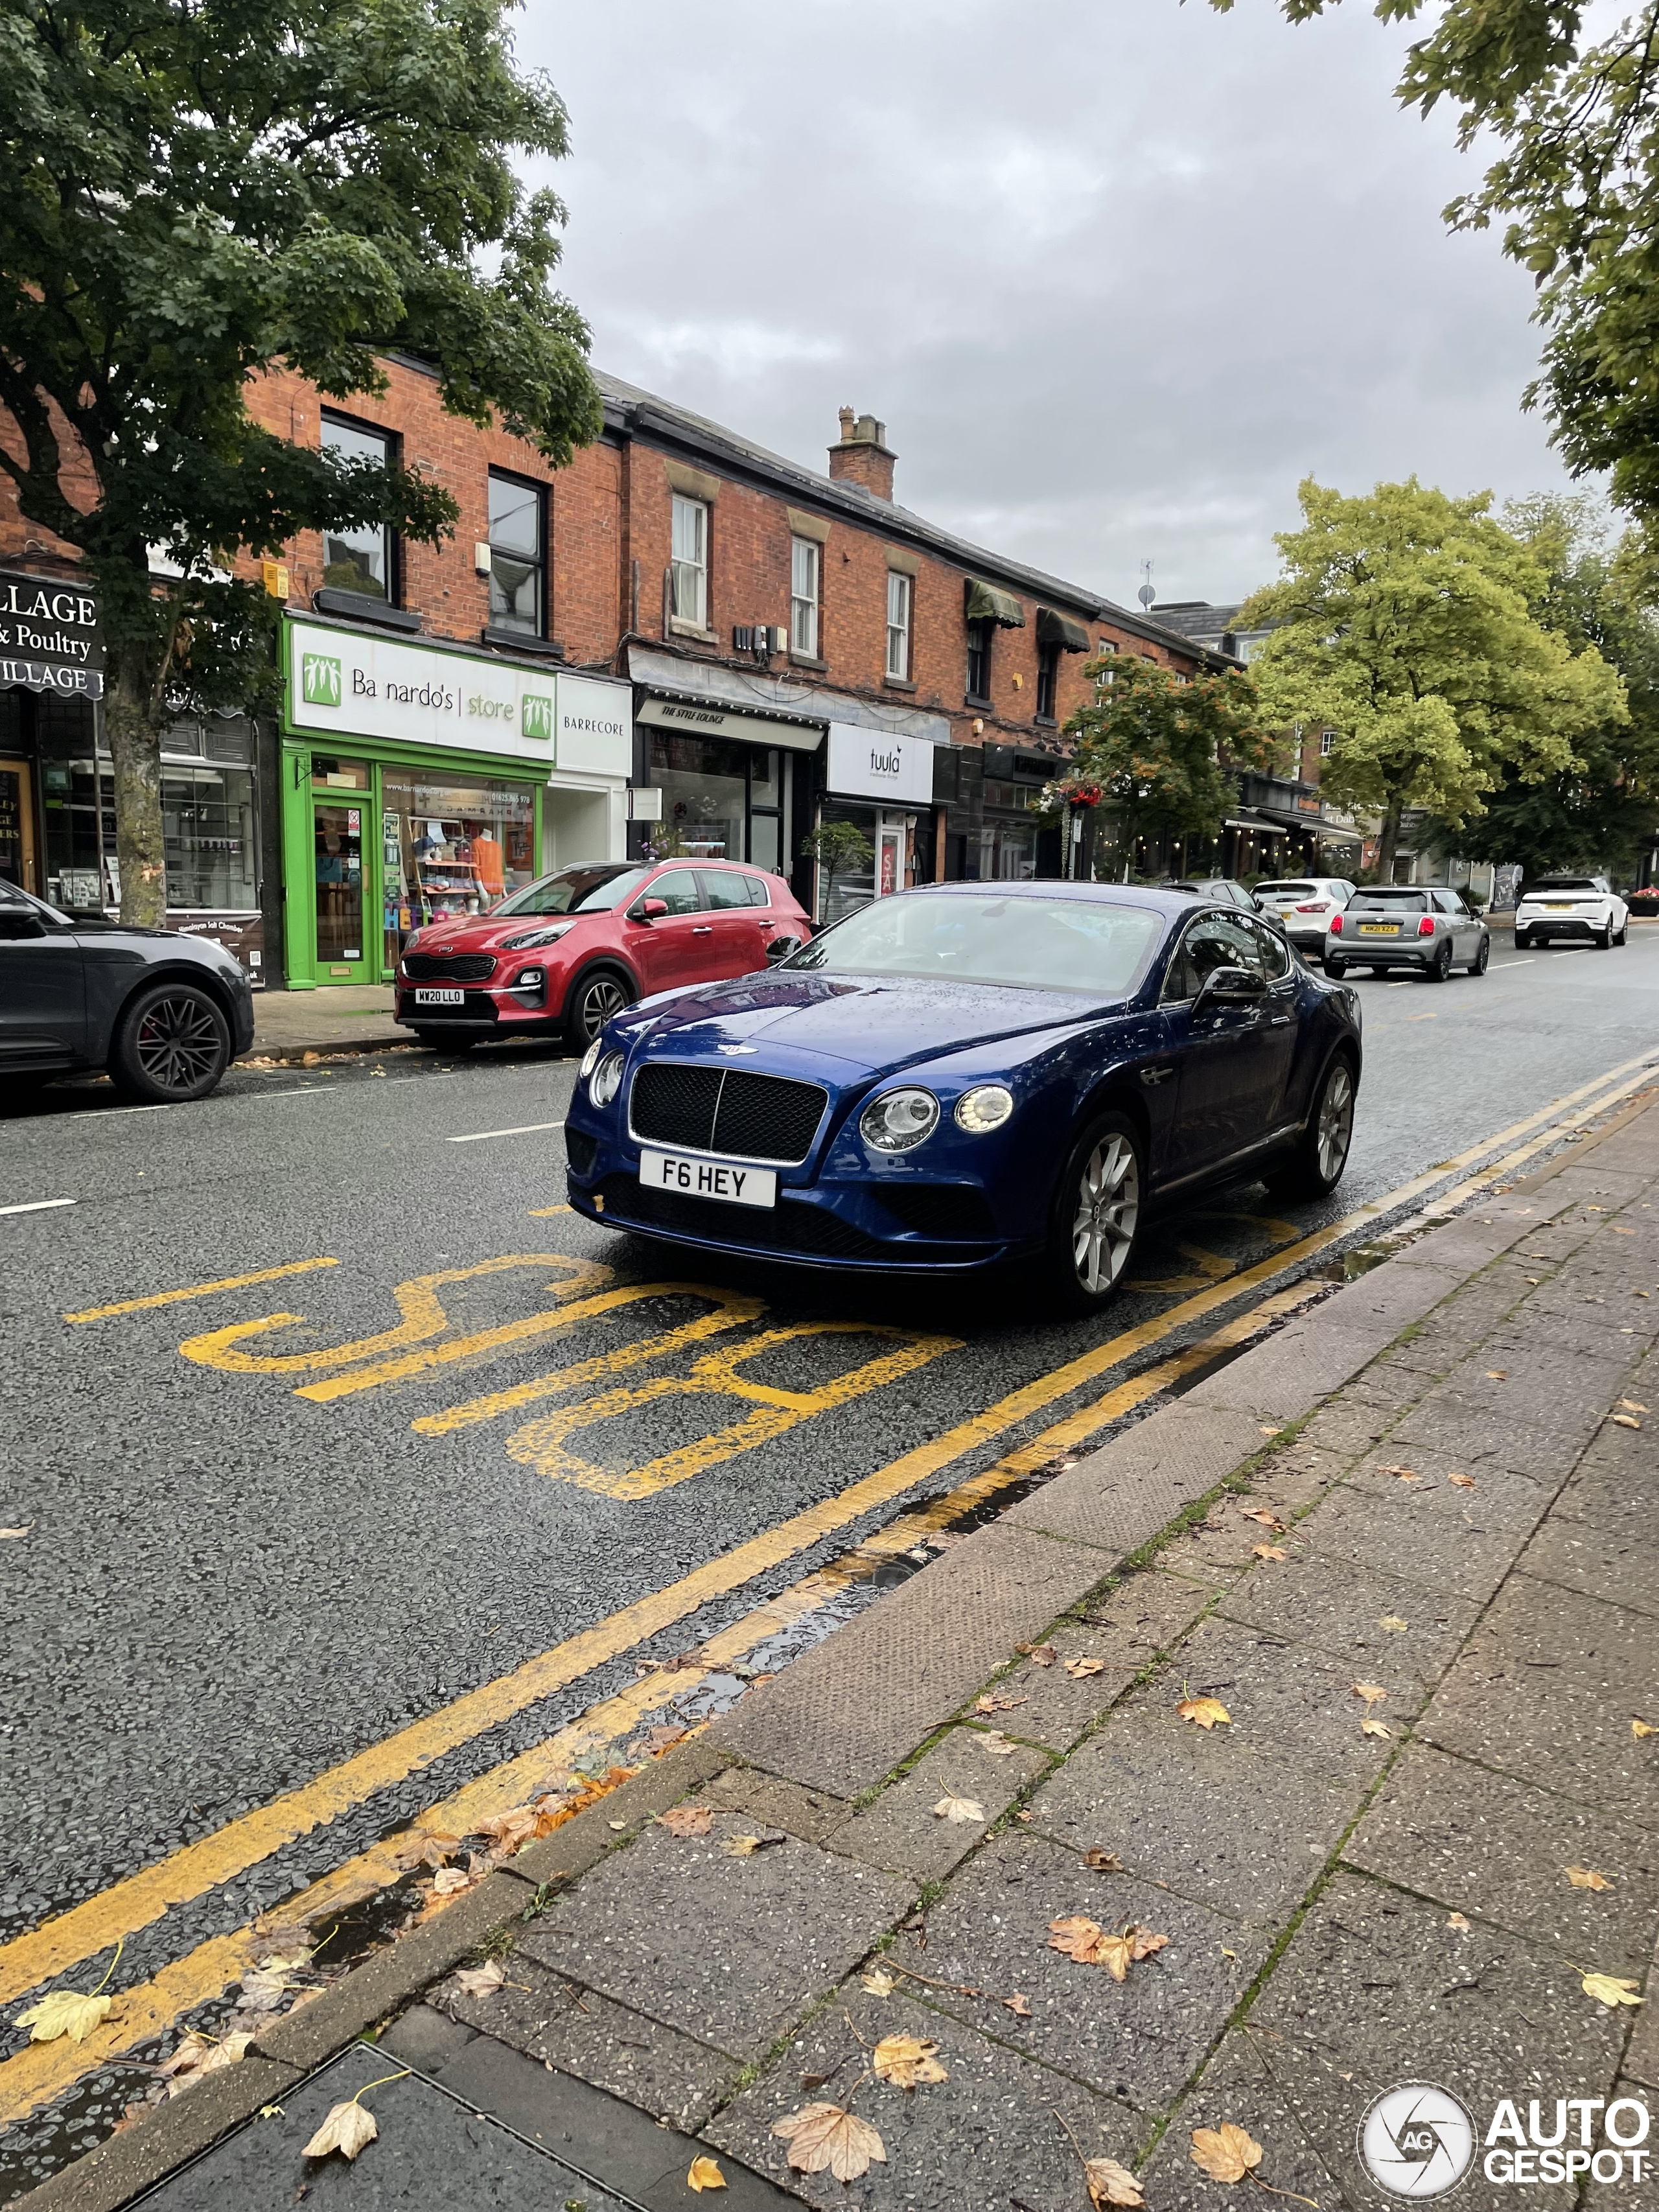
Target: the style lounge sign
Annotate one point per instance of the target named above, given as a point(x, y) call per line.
point(869, 765)
point(50, 639)
point(343, 685)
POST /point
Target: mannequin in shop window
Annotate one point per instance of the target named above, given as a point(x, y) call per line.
point(488, 865)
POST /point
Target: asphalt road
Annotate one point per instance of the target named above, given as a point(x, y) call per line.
point(253, 1553)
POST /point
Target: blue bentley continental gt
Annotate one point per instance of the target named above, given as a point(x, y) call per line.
point(963, 1076)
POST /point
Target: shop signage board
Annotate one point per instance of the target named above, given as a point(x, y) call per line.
point(595, 732)
point(869, 765)
point(343, 685)
point(716, 721)
point(49, 637)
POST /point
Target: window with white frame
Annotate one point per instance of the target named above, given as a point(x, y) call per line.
point(690, 561)
point(1326, 741)
point(1104, 677)
point(899, 589)
point(803, 597)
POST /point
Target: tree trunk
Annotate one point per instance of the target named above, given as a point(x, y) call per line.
point(135, 744)
point(1389, 839)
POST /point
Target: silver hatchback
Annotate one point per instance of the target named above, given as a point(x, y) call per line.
point(1425, 927)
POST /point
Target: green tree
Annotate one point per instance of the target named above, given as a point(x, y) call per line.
point(197, 191)
point(1408, 621)
point(837, 847)
point(1576, 184)
point(1603, 810)
point(1158, 750)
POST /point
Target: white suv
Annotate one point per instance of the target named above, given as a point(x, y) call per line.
point(1574, 907)
point(1302, 907)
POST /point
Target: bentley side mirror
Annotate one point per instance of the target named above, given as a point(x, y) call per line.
point(18, 926)
point(779, 949)
point(1230, 987)
point(647, 909)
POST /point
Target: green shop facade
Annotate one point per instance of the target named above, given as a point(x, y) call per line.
point(420, 778)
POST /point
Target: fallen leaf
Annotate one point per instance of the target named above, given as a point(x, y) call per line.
point(1632, 1406)
point(1610, 1989)
point(1103, 1862)
point(1456, 1920)
point(1088, 1944)
point(994, 1702)
point(1393, 1623)
point(264, 1990)
point(745, 1847)
point(1460, 1481)
point(65, 2012)
point(347, 2128)
point(1618, 1229)
point(997, 1744)
point(1203, 1712)
point(1110, 2183)
point(200, 2055)
point(686, 1820)
point(878, 1981)
point(1372, 1693)
point(704, 2174)
point(1226, 2152)
point(1587, 1878)
point(1639, 1729)
point(481, 1981)
point(828, 2138)
point(13, 1533)
point(1018, 2005)
point(1078, 1669)
point(1270, 1552)
point(1624, 1421)
point(617, 1825)
point(1268, 1520)
point(426, 1850)
point(1369, 1727)
point(1400, 1473)
point(1271, 1428)
point(657, 1741)
point(1498, 1375)
point(1040, 1655)
point(906, 2060)
point(961, 1810)
point(449, 1880)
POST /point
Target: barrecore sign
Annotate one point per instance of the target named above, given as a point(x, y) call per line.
point(343, 685)
point(50, 639)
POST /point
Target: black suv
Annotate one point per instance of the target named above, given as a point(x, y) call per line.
point(165, 1014)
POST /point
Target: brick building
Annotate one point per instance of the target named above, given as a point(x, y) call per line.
point(680, 641)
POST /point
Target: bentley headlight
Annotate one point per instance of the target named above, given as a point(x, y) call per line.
point(605, 1081)
point(986, 1107)
point(590, 1060)
point(899, 1120)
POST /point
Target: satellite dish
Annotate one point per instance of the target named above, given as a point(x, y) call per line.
point(1146, 595)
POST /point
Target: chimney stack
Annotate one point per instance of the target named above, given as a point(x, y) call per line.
point(862, 455)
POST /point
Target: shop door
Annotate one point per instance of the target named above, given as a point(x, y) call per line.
point(17, 827)
point(339, 838)
point(890, 859)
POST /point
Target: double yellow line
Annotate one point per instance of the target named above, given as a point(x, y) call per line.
point(34, 2075)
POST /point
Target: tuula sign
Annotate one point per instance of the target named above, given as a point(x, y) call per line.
point(869, 765)
point(50, 640)
point(343, 684)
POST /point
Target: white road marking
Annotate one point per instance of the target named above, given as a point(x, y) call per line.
point(39, 1206)
point(527, 1129)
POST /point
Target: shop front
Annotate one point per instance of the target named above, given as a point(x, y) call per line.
point(421, 779)
point(51, 662)
point(883, 787)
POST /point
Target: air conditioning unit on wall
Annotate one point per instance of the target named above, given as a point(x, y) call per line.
point(762, 639)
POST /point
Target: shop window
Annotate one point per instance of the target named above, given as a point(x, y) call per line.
point(803, 597)
point(359, 559)
point(899, 588)
point(450, 848)
point(690, 561)
point(979, 662)
point(1007, 853)
point(77, 806)
point(721, 801)
point(518, 556)
point(210, 836)
point(1047, 686)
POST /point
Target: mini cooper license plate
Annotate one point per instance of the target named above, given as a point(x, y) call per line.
point(1379, 929)
point(441, 998)
point(737, 1185)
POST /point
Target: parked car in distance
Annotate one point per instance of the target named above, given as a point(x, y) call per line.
point(963, 1075)
point(164, 1013)
point(1303, 907)
point(1579, 908)
point(1425, 927)
point(573, 948)
point(1225, 891)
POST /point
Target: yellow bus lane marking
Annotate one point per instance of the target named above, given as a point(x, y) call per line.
point(508, 1335)
point(200, 1290)
point(136, 1900)
point(733, 1308)
point(423, 1318)
point(540, 1444)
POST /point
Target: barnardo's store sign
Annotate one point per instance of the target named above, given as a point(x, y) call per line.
point(50, 639)
point(342, 684)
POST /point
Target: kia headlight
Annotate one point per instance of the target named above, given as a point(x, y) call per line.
point(605, 1081)
point(898, 1120)
point(533, 939)
point(988, 1108)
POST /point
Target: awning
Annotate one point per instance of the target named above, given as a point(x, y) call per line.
point(1259, 824)
point(1060, 629)
point(707, 721)
point(986, 604)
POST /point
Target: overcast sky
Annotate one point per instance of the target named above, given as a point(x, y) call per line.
point(1114, 273)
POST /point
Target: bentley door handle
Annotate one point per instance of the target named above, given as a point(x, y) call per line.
point(1278, 1022)
point(1154, 1076)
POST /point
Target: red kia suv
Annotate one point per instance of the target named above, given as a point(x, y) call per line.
point(572, 949)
